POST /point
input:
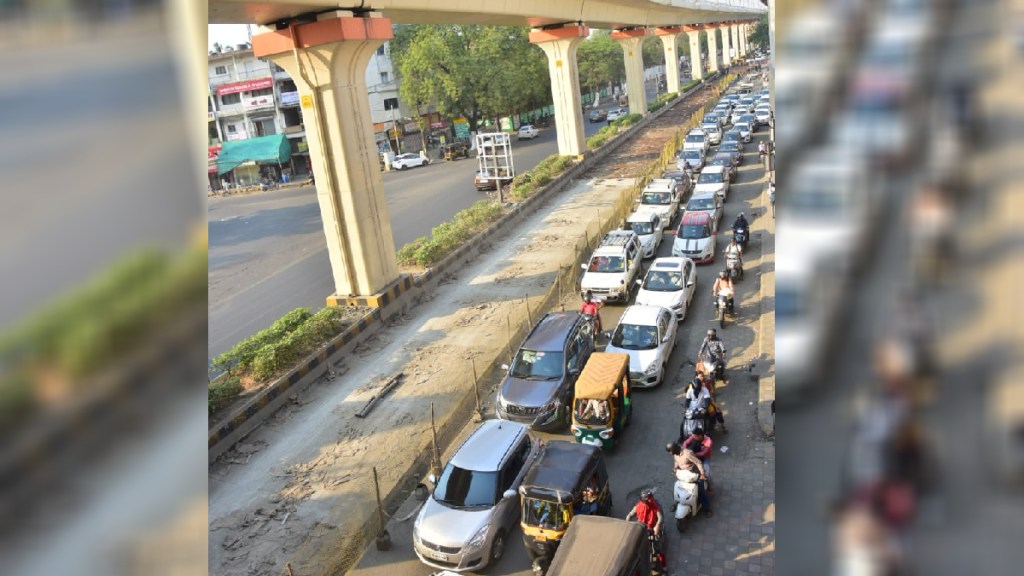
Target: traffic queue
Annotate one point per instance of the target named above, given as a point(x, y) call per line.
point(571, 374)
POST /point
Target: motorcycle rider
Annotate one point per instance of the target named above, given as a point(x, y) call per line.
point(591, 307)
point(723, 281)
point(684, 460)
point(741, 224)
point(734, 249)
point(762, 149)
point(714, 412)
point(700, 444)
point(697, 401)
point(713, 348)
point(647, 511)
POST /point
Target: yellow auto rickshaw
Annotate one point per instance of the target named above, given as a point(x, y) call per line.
point(566, 480)
point(602, 407)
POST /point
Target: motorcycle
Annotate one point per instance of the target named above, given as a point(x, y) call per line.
point(595, 320)
point(714, 367)
point(658, 562)
point(734, 266)
point(723, 303)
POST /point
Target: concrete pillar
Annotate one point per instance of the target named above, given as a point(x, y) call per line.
point(670, 42)
point(696, 67)
point(712, 48)
point(631, 42)
point(741, 37)
point(327, 60)
point(726, 29)
point(560, 45)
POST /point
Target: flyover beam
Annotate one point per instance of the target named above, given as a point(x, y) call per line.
point(560, 46)
point(670, 43)
point(632, 41)
point(327, 61)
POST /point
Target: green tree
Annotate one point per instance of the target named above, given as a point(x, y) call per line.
point(759, 37)
point(654, 52)
point(473, 71)
point(600, 61)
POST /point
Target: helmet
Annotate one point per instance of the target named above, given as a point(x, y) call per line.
point(646, 493)
point(711, 332)
point(741, 215)
point(672, 447)
point(722, 274)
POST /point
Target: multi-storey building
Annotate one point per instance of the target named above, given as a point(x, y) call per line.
point(250, 97)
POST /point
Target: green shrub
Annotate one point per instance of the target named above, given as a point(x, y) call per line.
point(243, 354)
point(222, 393)
point(447, 236)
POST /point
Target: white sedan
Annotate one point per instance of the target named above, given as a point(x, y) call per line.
point(527, 132)
point(670, 283)
point(648, 335)
point(406, 161)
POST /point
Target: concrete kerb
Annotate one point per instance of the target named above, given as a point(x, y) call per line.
point(247, 417)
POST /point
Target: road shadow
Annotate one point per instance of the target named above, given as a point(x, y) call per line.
point(285, 221)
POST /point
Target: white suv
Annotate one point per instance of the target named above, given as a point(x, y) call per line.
point(662, 196)
point(697, 139)
point(466, 522)
point(613, 267)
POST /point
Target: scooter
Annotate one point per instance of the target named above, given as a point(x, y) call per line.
point(693, 419)
point(734, 266)
point(742, 236)
point(723, 304)
point(684, 493)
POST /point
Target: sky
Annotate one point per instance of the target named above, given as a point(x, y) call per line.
point(226, 34)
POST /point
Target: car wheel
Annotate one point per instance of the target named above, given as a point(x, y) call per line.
point(497, 547)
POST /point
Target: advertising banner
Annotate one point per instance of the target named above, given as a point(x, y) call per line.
point(245, 86)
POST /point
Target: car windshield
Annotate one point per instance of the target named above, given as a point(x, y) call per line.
point(719, 161)
point(701, 204)
point(691, 231)
point(607, 264)
point(695, 138)
point(710, 178)
point(547, 515)
point(730, 147)
point(657, 198)
point(635, 337)
point(643, 228)
point(535, 365)
point(748, 118)
point(731, 136)
point(663, 281)
point(743, 126)
point(459, 488)
point(591, 411)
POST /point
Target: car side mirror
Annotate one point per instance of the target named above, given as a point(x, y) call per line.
point(664, 338)
point(639, 282)
point(690, 283)
point(509, 494)
point(505, 367)
point(432, 479)
point(583, 267)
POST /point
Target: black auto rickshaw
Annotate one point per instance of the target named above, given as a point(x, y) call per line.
point(598, 546)
point(602, 406)
point(566, 480)
point(455, 150)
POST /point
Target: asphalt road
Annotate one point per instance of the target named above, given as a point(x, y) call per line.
point(739, 538)
point(268, 254)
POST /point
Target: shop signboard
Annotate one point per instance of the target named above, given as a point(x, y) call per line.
point(257, 102)
point(245, 86)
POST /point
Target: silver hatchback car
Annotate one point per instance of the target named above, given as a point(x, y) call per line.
point(465, 524)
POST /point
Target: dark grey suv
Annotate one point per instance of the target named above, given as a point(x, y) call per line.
point(539, 386)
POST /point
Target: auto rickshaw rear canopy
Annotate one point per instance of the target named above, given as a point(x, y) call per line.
point(560, 470)
point(603, 372)
point(597, 546)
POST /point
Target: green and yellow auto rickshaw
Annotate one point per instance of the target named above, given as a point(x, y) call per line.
point(566, 480)
point(602, 407)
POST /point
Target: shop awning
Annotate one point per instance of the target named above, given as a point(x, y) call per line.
point(273, 148)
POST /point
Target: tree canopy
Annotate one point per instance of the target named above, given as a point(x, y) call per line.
point(472, 71)
point(599, 59)
point(759, 37)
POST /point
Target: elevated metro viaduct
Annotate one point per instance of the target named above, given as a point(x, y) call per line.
point(326, 48)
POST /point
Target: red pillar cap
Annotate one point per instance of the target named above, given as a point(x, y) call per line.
point(322, 32)
point(573, 31)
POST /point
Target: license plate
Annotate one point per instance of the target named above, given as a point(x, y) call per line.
point(435, 555)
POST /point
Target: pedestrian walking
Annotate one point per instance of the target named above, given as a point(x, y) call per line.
point(771, 196)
